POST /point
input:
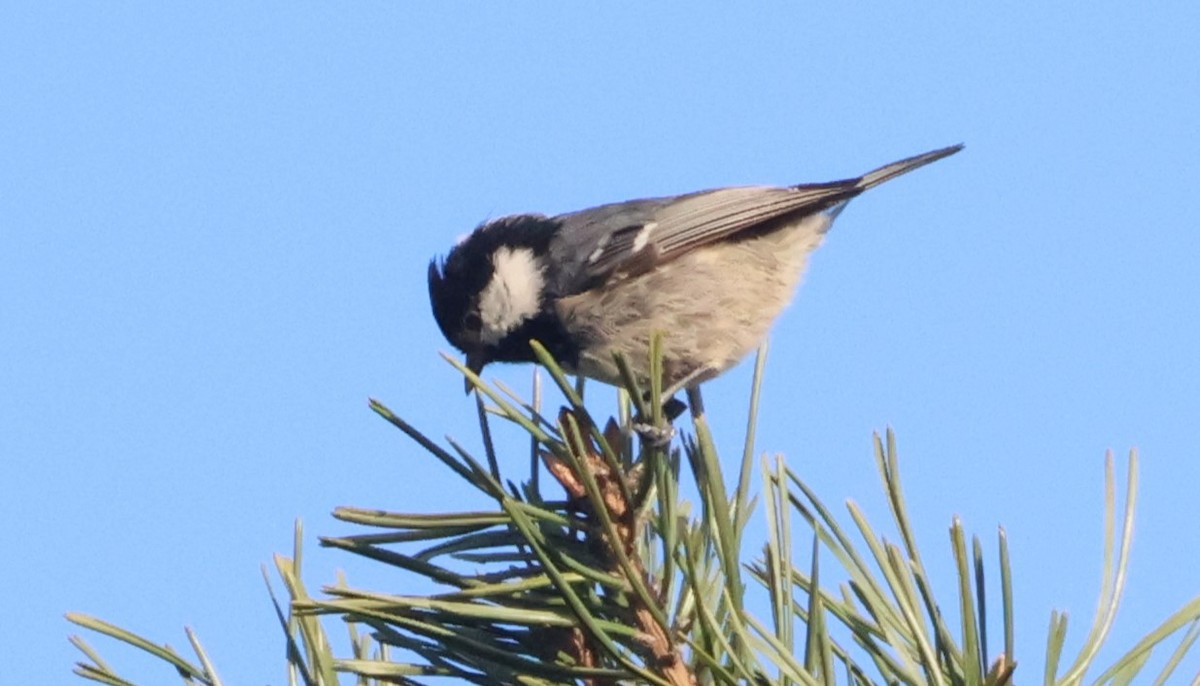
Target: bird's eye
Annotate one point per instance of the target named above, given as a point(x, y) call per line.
point(472, 321)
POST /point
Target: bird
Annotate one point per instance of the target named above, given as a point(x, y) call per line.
point(708, 271)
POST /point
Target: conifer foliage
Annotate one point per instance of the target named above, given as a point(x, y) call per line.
point(593, 568)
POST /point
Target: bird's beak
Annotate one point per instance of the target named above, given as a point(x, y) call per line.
point(475, 362)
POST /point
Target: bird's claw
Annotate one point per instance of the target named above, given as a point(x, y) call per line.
point(654, 436)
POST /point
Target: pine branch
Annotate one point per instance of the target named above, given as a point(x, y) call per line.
point(620, 580)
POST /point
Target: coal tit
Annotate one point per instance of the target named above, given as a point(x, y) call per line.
point(710, 271)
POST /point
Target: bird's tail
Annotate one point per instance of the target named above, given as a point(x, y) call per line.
point(890, 171)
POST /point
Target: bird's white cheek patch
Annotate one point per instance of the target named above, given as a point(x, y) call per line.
point(513, 295)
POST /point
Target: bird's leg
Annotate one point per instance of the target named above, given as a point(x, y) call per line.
point(660, 436)
point(692, 379)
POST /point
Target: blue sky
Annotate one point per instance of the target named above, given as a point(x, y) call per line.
point(215, 221)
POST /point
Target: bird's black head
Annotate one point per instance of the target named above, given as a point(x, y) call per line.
point(489, 294)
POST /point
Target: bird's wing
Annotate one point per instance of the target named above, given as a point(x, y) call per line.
point(627, 239)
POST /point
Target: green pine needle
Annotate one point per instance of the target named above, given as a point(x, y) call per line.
point(612, 577)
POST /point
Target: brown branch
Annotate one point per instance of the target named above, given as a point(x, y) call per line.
point(664, 656)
